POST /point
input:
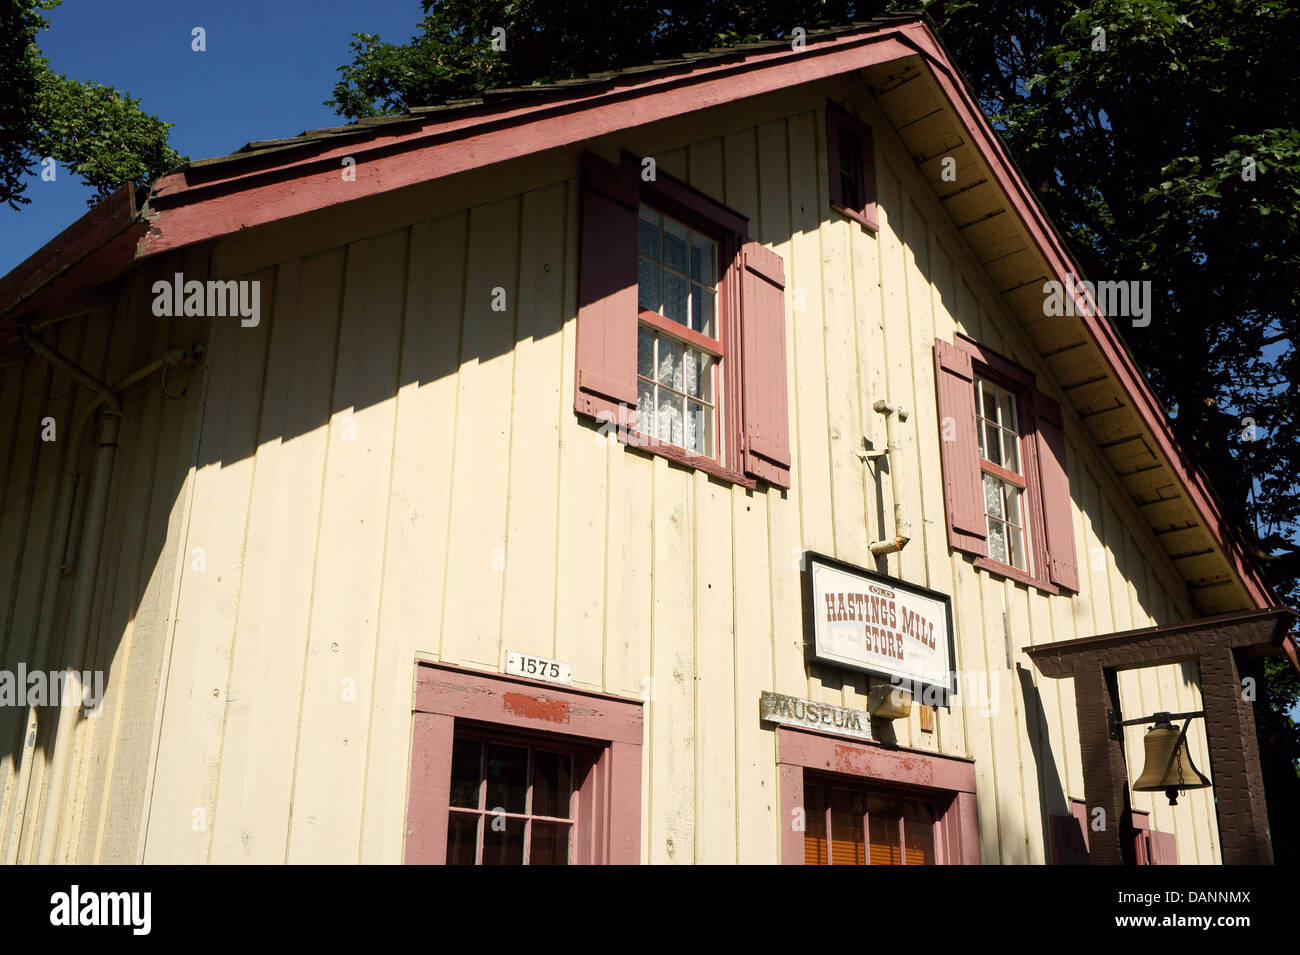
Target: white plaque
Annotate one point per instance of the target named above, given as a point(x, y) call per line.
point(538, 668)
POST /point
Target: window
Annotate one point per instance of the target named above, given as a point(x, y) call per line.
point(850, 154)
point(998, 435)
point(510, 771)
point(1002, 450)
point(680, 326)
point(679, 348)
point(511, 804)
point(852, 826)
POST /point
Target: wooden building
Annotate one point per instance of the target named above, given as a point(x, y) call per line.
point(477, 517)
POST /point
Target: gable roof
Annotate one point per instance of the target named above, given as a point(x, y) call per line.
point(913, 80)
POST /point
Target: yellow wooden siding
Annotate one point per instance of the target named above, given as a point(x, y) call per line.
point(103, 809)
point(388, 469)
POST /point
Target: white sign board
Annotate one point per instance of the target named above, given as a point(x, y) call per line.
point(538, 668)
point(882, 626)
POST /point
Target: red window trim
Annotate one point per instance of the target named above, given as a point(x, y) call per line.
point(837, 118)
point(1020, 382)
point(947, 782)
point(448, 697)
point(728, 229)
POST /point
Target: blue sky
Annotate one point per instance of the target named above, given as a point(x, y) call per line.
point(267, 69)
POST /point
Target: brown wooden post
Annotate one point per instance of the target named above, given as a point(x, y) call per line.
point(1105, 777)
point(1234, 761)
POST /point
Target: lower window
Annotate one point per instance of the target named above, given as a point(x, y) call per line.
point(512, 803)
point(848, 825)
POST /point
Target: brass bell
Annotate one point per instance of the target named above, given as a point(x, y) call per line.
point(1168, 763)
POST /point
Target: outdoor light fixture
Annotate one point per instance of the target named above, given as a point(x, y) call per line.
point(889, 703)
point(1169, 765)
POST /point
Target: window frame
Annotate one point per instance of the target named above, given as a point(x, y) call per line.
point(1021, 384)
point(1029, 535)
point(605, 732)
point(484, 734)
point(728, 228)
point(949, 786)
point(715, 347)
point(839, 119)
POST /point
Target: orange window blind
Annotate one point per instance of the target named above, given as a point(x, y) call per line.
point(855, 827)
point(814, 837)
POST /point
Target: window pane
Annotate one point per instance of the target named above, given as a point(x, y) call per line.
point(990, 401)
point(647, 235)
point(645, 407)
point(698, 380)
point(998, 541)
point(1011, 495)
point(550, 786)
point(1008, 405)
point(676, 289)
point(671, 372)
point(1015, 545)
point(462, 835)
point(647, 284)
point(699, 428)
point(979, 434)
point(918, 830)
point(503, 840)
point(702, 301)
point(993, 497)
point(466, 772)
point(507, 778)
point(883, 816)
point(991, 449)
point(670, 419)
point(702, 259)
point(645, 352)
point(814, 837)
point(675, 246)
point(848, 842)
point(550, 844)
point(1010, 454)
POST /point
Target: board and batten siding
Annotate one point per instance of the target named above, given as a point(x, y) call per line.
point(387, 469)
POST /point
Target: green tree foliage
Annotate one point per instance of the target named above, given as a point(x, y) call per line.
point(1133, 119)
point(100, 133)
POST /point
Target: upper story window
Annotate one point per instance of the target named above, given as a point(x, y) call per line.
point(1002, 476)
point(850, 153)
point(681, 326)
point(1002, 448)
point(679, 347)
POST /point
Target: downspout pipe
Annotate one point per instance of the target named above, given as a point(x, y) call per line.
point(108, 404)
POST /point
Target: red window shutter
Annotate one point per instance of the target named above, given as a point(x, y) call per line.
point(1058, 513)
point(762, 329)
point(958, 452)
point(607, 309)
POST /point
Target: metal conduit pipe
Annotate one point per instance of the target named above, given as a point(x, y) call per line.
point(108, 403)
point(902, 529)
